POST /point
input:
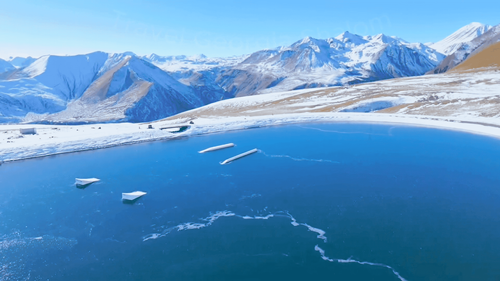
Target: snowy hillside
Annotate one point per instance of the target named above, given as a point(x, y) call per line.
point(459, 38)
point(454, 94)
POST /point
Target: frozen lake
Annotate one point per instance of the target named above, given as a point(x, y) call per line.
point(318, 201)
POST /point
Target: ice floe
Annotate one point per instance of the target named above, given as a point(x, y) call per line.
point(219, 147)
point(239, 156)
point(300, 159)
point(132, 195)
point(88, 181)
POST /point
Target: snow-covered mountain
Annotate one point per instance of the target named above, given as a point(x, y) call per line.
point(130, 89)
point(467, 49)
point(200, 73)
point(95, 87)
point(461, 37)
point(345, 59)
point(46, 85)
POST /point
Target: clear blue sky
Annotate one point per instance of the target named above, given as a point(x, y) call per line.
point(219, 27)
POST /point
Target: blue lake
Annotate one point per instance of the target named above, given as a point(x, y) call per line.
point(318, 201)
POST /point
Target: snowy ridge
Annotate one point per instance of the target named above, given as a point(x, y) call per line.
point(460, 37)
point(69, 76)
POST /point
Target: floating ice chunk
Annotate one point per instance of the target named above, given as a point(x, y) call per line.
point(214, 148)
point(239, 156)
point(132, 195)
point(85, 181)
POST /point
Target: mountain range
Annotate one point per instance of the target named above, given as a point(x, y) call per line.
point(104, 87)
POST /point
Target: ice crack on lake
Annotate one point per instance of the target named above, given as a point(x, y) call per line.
point(208, 221)
point(349, 260)
point(300, 159)
point(343, 132)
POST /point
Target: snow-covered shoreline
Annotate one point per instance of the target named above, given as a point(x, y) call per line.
point(58, 139)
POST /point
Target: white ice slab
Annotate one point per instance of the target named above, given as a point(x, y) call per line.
point(85, 181)
point(239, 156)
point(213, 148)
point(132, 195)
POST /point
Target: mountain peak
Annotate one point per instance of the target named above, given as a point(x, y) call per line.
point(476, 24)
point(348, 37)
point(464, 35)
point(384, 38)
point(473, 28)
point(308, 40)
point(345, 34)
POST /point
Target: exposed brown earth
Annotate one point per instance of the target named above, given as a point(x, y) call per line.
point(97, 91)
point(489, 57)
